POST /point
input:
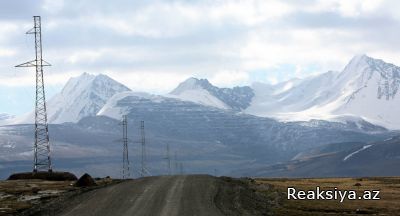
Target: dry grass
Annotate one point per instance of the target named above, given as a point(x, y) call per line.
point(389, 204)
point(19, 195)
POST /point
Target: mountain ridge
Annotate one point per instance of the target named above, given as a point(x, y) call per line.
point(81, 96)
point(236, 98)
point(206, 137)
point(365, 89)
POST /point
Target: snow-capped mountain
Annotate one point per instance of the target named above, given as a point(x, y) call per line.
point(290, 96)
point(371, 91)
point(207, 137)
point(115, 109)
point(81, 96)
point(183, 121)
point(203, 92)
point(367, 88)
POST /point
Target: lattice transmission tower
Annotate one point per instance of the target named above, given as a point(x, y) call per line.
point(168, 158)
point(181, 168)
point(176, 165)
point(125, 160)
point(42, 161)
point(143, 142)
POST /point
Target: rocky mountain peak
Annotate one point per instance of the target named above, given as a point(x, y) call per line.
point(83, 96)
point(191, 84)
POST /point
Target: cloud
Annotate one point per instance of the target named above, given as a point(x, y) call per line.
point(84, 56)
point(53, 6)
point(7, 52)
point(27, 79)
point(158, 83)
point(230, 78)
point(249, 12)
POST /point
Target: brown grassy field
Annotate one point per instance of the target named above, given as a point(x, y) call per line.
point(389, 203)
point(19, 195)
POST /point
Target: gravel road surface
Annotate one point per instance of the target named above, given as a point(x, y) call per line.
point(161, 195)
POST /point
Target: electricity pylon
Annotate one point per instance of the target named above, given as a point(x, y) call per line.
point(181, 168)
point(125, 160)
point(176, 162)
point(41, 149)
point(143, 142)
point(168, 158)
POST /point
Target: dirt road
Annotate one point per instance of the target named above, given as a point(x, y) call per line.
point(162, 195)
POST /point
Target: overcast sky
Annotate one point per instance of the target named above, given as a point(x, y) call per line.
point(154, 45)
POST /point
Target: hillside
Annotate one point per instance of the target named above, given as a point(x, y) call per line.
point(348, 159)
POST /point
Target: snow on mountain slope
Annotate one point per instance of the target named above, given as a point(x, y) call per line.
point(270, 99)
point(372, 93)
point(366, 88)
point(193, 90)
point(115, 110)
point(203, 92)
point(358, 151)
point(81, 97)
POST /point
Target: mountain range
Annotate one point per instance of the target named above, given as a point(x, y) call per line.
point(238, 131)
point(367, 88)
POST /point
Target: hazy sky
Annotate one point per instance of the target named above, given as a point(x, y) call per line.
point(154, 45)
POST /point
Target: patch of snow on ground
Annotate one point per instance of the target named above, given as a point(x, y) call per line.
point(358, 151)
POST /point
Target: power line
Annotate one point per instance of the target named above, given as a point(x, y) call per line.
point(41, 148)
